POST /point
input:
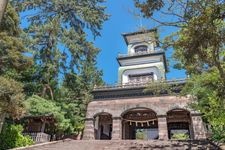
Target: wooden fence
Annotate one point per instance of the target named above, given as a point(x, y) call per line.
point(39, 137)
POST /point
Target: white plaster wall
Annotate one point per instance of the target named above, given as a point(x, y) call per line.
point(141, 60)
point(125, 75)
point(157, 68)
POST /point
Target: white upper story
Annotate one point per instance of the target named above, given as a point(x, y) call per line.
point(143, 62)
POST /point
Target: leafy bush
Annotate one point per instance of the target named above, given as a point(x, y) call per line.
point(36, 106)
point(140, 135)
point(12, 137)
point(180, 136)
point(218, 133)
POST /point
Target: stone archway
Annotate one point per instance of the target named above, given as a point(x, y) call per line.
point(139, 123)
point(179, 122)
point(103, 126)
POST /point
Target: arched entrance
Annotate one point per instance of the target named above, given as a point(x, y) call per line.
point(139, 123)
point(103, 126)
point(179, 122)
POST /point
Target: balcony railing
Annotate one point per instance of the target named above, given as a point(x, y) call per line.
point(140, 53)
point(39, 137)
point(138, 84)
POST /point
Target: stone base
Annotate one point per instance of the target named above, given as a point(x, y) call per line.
point(160, 105)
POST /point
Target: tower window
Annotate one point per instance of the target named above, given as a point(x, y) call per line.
point(140, 78)
point(140, 49)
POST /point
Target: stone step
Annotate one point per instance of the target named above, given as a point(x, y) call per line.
point(125, 145)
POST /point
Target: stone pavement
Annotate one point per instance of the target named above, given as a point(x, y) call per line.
point(123, 145)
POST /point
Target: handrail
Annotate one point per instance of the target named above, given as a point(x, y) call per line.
point(140, 53)
point(138, 84)
point(38, 137)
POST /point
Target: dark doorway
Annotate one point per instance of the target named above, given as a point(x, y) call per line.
point(140, 124)
point(178, 127)
point(103, 126)
point(179, 124)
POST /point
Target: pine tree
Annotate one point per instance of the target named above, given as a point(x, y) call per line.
point(12, 63)
point(58, 39)
point(65, 61)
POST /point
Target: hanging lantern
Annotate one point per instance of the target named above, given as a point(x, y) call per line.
point(142, 124)
point(136, 123)
point(148, 123)
point(130, 123)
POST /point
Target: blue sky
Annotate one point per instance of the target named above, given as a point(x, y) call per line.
point(111, 42)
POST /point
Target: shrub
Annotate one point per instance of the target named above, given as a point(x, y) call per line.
point(180, 136)
point(12, 137)
point(140, 135)
point(218, 133)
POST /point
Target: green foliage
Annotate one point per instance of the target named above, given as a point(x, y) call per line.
point(199, 49)
point(218, 133)
point(200, 44)
point(57, 37)
point(64, 70)
point(206, 90)
point(37, 106)
point(163, 87)
point(11, 97)
point(158, 87)
point(11, 45)
point(180, 136)
point(148, 7)
point(74, 106)
point(69, 115)
point(12, 137)
point(140, 135)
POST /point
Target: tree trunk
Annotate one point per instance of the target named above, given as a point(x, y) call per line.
point(2, 119)
point(3, 4)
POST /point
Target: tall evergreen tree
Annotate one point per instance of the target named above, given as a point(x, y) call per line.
point(65, 61)
point(199, 48)
point(12, 58)
point(12, 63)
point(58, 39)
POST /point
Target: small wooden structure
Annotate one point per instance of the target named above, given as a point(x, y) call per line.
point(39, 128)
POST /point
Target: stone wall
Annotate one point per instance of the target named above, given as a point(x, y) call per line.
point(160, 105)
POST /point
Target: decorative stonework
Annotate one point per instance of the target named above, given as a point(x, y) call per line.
point(160, 105)
point(163, 132)
point(89, 130)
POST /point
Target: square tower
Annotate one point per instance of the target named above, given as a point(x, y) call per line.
point(144, 62)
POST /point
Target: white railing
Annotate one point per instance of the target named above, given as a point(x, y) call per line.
point(138, 84)
point(139, 53)
point(39, 137)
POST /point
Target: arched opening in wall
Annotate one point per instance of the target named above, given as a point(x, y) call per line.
point(179, 124)
point(139, 123)
point(103, 126)
point(141, 49)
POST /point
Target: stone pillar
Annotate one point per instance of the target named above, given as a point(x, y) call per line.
point(198, 127)
point(116, 128)
point(162, 127)
point(89, 129)
point(2, 119)
point(43, 126)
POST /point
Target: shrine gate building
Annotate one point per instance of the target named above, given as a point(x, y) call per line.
point(129, 111)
